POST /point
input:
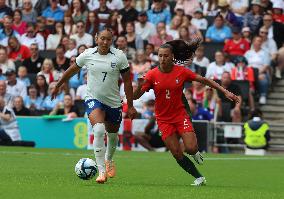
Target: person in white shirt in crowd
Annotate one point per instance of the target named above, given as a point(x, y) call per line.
point(280, 62)
point(189, 6)
point(239, 7)
point(260, 59)
point(113, 4)
point(7, 96)
point(53, 40)
point(32, 37)
point(5, 63)
point(141, 5)
point(23, 76)
point(72, 50)
point(15, 87)
point(121, 44)
point(218, 67)
point(143, 27)
point(210, 8)
point(82, 89)
point(200, 59)
point(81, 36)
point(268, 44)
point(198, 20)
point(47, 69)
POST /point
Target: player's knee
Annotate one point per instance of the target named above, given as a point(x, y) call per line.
point(99, 130)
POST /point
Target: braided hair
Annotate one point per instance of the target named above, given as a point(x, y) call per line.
point(184, 51)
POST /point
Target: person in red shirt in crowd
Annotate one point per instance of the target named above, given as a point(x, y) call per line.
point(237, 45)
point(167, 80)
point(17, 52)
point(242, 71)
point(277, 11)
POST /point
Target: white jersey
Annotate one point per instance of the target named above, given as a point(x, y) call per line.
point(103, 72)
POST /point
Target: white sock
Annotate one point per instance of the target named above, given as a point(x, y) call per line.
point(99, 145)
point(112, 140)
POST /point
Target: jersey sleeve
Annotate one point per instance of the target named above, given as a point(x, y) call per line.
point(189, 75)
point(148, 82)
point(123, 63)
point(80, 60)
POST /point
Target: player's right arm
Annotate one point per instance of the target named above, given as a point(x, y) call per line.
point(144, 84)
point(72, 70)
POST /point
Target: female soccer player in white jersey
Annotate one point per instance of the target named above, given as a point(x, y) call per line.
point(104, 64)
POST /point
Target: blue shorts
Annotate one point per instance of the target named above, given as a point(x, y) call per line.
point(113, 115)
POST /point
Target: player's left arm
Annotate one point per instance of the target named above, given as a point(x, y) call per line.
point(213, 84)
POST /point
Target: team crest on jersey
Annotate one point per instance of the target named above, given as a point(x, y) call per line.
point(113, 64)
point(177, 80)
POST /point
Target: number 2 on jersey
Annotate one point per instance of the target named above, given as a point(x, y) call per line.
point(168, 94)
point(105, 74)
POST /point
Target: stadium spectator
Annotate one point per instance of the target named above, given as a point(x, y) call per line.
point(65, 108)
point(246, 34)
point(173, 28)
point(199, 112)
point(29, 14)
point(242, 71)
point(33, 64)
point(218, 32)
point(6, 31)
point(161, 37)
point(239, 8)
point(218, 67)
point(179, 11)
point(198, 90)
point(115, 24)
point(235, 112)
point(212, 102)
point(113, 5)
point(193, 31)
point(92, 23)
point(184, 34)
point(200, 59)
point(280, 63)
point(198, 20)
point(69, 26)
point(22, 76)
point(140, 64)
point(128, 13)
point(63, 5)
point(17, 52)
point(149, 109)
point(53, 40)
point(189, 6)
point(6, 96)
point(257, 135)
point(277, 11)
point(229, 17)
point(159, 14)
point(141, 5)
point(4, 10)
point(133, 40)
point(267, 5)
point(82, 89)
point(15, 87)
point(150, 54)
point(260, 59)
point(151, 138)
point(31, 37)
point(18, 24)
point(237, 46)
point(33, 101)
point(72, 49)
point(253, 18)
point(60, 62)
point(41, 27)
point(103, 15)
point(48, 71)
point(8, 123)
point(81, 36)
point(143, 27)
point(65, 42)
point(49, 104)
point(76, 80)
point(53, 13)
point(41, 86)
point(210, 8)
point(121, 44)
point(275, 29)
point(268, 44)
point(5, 62)
point(78, 10)
point(19, 107)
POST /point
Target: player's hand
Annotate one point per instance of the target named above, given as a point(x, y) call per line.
point(132, 113)
point(54, 92)
point(141, 79)
point(232, 97)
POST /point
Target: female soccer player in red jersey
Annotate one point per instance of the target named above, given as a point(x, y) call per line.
point(167, 80)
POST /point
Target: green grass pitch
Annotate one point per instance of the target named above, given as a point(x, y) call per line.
point(49, 173)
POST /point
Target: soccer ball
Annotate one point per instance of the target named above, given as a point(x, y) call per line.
point(86, 168)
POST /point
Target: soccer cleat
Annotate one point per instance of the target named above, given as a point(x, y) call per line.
point(198, 158)
point(199, 182)
point(102, 178)
point(110, 168)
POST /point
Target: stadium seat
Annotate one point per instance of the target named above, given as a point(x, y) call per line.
point(210, 48)
point(81, 107)
point(50, 54)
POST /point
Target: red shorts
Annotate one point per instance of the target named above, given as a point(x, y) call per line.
point(181, 126)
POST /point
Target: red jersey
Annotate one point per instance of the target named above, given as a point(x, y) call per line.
point(23, 53)
point(168, 88)
point(234, 48)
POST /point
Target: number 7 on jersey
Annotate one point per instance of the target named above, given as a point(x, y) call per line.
point(105, 74)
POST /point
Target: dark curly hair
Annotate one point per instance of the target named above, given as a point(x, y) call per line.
point(184, 51)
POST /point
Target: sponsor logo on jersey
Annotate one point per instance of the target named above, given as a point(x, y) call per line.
point(177, 80)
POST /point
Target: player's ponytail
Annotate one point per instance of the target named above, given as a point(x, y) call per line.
point(184, 51)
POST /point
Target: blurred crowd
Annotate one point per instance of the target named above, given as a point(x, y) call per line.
point(39, 39)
